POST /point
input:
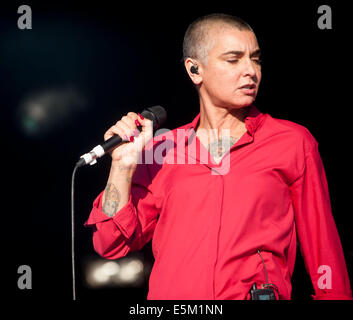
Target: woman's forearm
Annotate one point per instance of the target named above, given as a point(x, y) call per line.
point(117, 192)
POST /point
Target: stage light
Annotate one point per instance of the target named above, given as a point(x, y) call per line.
point(47, 109)
point(130, 273)
point(124, 272)
point(103, 272)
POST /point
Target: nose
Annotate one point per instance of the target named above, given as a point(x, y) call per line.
point(249, 69)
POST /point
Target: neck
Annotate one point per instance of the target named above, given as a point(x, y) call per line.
point(212, 118)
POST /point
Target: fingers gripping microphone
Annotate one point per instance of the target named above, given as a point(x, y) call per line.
point(156, 114)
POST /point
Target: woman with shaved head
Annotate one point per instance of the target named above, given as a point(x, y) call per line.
point(224, 222)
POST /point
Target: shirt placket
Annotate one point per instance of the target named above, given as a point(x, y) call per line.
point(218, 183)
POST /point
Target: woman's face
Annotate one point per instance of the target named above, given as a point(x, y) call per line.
point(233, 62)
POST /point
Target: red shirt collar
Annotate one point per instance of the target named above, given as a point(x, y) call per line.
point(252, 120)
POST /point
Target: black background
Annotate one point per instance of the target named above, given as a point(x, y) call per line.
point(126, 57)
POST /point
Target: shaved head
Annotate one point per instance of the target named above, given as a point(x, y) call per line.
point(199, 37)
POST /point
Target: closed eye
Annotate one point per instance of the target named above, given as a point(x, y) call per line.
point(257, 61)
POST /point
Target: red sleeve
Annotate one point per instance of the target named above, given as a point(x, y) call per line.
point(319, 240)
point(132, 226)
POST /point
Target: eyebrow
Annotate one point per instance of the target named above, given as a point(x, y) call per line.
point(256, 53)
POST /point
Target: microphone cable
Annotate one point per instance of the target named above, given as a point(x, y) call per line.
point(73, 232)
point(267, 285)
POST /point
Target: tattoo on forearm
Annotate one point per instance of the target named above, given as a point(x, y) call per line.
point(122, 168)
point(111, 200)
point(219, 147)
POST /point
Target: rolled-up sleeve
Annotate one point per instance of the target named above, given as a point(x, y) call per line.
point(319, 240)
point(132, 226)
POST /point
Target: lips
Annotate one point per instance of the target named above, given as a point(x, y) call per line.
point(248, 86)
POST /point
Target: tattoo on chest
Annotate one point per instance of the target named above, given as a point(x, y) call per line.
point(111, 200)
point(219, 147)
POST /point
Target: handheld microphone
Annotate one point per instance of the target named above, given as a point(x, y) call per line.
point(156, 114)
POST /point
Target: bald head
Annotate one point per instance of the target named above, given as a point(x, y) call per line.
point(200, 35)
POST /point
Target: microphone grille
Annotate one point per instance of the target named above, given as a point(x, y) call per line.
point(157, 114)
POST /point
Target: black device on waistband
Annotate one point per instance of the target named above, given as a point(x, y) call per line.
point(265, 292)
point(262, 294)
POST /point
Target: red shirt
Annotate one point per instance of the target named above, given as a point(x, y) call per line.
point(208, 220)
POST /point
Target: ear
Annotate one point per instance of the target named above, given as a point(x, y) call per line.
point(195, 78)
